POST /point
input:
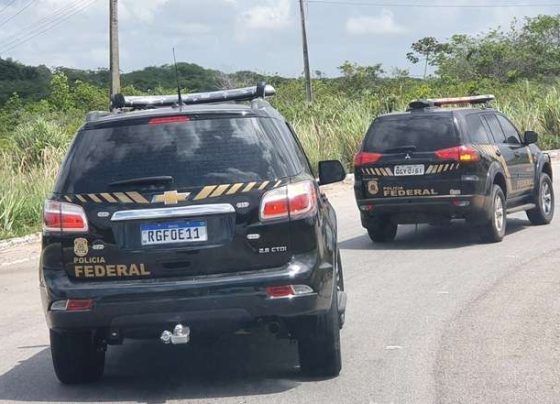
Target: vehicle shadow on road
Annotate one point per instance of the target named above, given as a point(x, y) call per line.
point(151, 372)
point(457, 234)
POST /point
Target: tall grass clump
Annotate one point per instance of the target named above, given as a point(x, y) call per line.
point(28, 170)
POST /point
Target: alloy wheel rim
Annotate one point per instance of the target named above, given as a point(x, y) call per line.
point(498, 213)
point(546, 198)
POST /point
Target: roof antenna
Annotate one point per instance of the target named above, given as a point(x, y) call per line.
point(177, 78)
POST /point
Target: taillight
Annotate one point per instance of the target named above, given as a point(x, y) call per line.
point(463, 154)
point(278, 292)
point(293, 201)
point(169, 119)
point(62, 216)
point(363, 158)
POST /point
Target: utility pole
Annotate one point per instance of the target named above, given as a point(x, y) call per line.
point(114, 47)
point(308, 89)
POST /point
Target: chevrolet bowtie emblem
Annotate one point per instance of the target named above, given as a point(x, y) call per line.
point(171, 197)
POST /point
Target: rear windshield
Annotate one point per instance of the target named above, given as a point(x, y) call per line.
point(421, 133)
point(195, 153)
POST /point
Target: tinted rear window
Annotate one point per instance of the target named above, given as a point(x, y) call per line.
point(425, 132)
point(194, 153)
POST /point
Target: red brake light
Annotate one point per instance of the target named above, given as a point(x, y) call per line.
point(463, 154)
point(276, 292)
point(169, 119)
point(363, 158)
point(62, 216)
point(291, 201)
point(79, 304)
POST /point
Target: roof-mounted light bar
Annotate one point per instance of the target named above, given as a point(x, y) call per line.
point(440, 102)
point(156, 101)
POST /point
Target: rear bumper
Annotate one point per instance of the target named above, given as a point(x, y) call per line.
point(424, 209)
point(217, 301)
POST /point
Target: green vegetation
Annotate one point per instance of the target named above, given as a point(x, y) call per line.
point(40, 110)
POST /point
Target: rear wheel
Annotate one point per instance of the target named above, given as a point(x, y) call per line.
point(319, 344)
point(76, 357)
point(382, 230)
point(544, 211)
point(494, 229)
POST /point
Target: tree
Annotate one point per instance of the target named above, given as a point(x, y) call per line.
point(59, 97)
point(358, 78)
point(429, 49)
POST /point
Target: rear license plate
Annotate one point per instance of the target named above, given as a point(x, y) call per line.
point(413, 169)
point(173, 233)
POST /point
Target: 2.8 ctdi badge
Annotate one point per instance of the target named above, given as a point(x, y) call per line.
point(80, 247)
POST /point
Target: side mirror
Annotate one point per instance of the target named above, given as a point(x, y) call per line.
point(530, 137)
point(331, 171)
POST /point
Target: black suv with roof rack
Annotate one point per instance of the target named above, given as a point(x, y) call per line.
point(187, 221)
point(433, 164)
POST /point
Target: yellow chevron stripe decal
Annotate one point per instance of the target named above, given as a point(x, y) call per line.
point(81, 198)
point(277, 184)
point(122, 197)
point(136, 197)
point(249, 187)
point(94, 198)
point(205, 192)
point(219, 190)
point(264, 185)
point(234, 188)
point(109, 198)
point(69, 199)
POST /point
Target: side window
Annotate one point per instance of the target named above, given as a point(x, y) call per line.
point(495, 128)
point(512, 135)
point(299, 151)
point(476, 130)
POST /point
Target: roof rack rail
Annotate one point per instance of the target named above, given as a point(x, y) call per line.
point(440, 102)
point(157, 101)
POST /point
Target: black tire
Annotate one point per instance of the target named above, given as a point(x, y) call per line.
point(319, 344)
point(494, 230)
point(544, 212)
point(340, 289)
point(76, 357)
point(382, 230)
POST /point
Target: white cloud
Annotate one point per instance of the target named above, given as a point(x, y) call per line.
point(382, 24)
point(274, 16)
point(140, 10)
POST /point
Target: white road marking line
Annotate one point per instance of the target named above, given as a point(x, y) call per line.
point(393, 347)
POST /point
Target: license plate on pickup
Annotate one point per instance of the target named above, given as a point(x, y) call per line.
point(173, 233)
point(411, 169)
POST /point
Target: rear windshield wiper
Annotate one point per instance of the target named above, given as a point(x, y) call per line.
point(143, 180)
point(401, 149)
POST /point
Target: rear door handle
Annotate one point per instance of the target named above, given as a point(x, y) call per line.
point(517, 154)
point(498, 153)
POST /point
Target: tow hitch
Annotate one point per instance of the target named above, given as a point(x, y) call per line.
point(180, 335)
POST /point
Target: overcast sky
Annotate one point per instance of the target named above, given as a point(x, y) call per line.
point(259, 35)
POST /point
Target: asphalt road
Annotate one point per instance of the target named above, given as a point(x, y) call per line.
point(435, 317)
